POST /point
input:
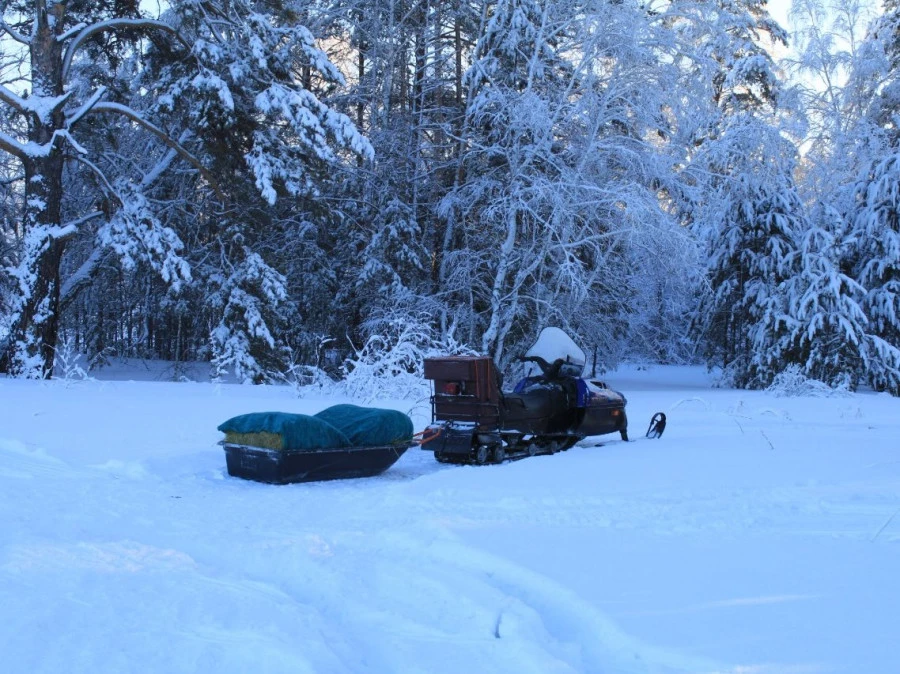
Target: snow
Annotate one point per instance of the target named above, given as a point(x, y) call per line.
point(760, 535)
point(553, 343)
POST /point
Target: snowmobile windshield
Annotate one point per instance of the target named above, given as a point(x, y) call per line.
point(553, 343)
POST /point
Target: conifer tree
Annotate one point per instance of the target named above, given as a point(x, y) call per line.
point(753, 224)
point(749, 214)
point(828, 328)
point(876, 250)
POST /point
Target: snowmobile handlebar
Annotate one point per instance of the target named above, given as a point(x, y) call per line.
point(548, 370)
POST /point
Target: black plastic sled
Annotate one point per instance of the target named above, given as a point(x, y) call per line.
point(288, 466)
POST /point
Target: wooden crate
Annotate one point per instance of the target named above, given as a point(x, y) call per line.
point(453, 368)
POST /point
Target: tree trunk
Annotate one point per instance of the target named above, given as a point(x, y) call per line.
point(361, 74)
point(492, 340)
point(36, 328)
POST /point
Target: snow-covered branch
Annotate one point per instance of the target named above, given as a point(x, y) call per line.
point(162, 165)
point(83, 275)
point(76, 116)
point(13, 33)
point(31, 150)
point(11, 99)
point(112, 24)
point(105, 184)
point(13, 147)
point(41, 106)
point(137, 118)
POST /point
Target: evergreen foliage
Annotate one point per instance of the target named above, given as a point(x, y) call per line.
point(828, 340)
point(750, 226)
point(876, 251)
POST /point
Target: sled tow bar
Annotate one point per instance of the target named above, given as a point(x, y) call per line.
point(657, 425)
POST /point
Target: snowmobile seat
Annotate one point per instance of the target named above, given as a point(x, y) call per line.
point(532, 411)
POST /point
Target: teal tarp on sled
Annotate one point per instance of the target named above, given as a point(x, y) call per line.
point(336, 426)
point(369, 426)
point(299, 431)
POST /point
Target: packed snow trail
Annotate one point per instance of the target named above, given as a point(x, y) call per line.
point(235, 575)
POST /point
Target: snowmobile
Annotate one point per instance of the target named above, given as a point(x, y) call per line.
point(549, 410)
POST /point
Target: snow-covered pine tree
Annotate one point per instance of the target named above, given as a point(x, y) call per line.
point(751, 227)
point(745, 209)
point(254, 87)
point(848, 292)
point(876, 251)
point(872, 205)
point(249, 298)
point(828, 329)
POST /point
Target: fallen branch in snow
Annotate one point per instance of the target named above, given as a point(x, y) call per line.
point(878, 464)
point(885, 525)
point(691, 400)
point(771, 446)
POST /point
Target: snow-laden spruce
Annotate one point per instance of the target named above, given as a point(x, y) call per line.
point(876, 252)
point(215, 73)
point(750, 224)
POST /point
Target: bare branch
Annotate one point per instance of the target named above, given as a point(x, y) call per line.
point(107, 187)
point(135, 117)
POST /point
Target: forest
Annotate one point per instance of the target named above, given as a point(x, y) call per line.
point(281, 187)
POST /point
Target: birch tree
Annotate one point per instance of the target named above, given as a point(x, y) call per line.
point(558, 177)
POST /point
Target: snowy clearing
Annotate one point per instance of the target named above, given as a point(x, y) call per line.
point(760, 535)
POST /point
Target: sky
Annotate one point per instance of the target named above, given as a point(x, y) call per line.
point(779, 10)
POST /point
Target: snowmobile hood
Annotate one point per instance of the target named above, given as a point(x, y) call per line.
point(554, 343)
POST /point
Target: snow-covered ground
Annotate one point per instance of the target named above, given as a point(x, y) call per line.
point(760, 535)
